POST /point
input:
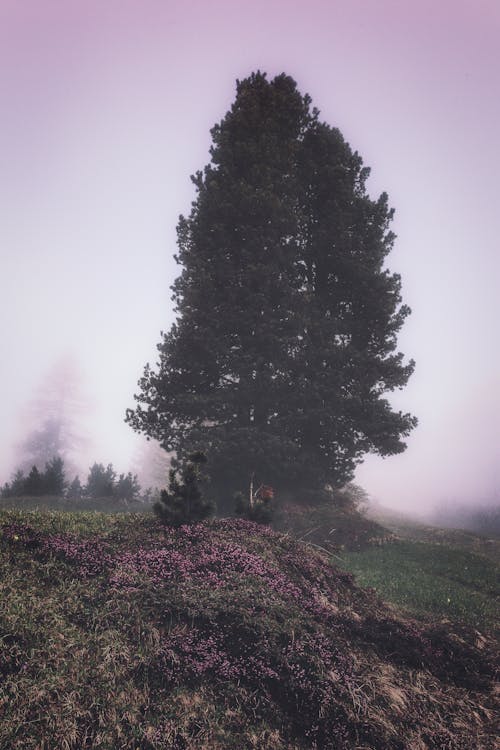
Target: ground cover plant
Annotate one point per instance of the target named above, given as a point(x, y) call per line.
point(117, 631)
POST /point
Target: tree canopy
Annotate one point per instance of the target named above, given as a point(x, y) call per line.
point(285, 340)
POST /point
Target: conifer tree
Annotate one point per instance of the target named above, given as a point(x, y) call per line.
point(75, 489)
point(184, 502)
point(34, 483)
point(285, 337)
point(53, 477)
point(101, 481)
point(127, 487)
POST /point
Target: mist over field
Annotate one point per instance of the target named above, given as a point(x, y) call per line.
point(106, 112)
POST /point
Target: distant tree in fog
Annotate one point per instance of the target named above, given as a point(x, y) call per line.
point(54, 414)
point(100, 481)
point(287, 319)
point(152, 464)
point(54, 482)
point(51, 481)
point(75, 490)
point(34, 483)
point(127, 487)
point(45, 442)
point(16, 487)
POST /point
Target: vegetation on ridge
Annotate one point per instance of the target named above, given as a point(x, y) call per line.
point(120, 632)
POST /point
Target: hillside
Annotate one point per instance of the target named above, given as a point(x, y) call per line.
point(117, 633)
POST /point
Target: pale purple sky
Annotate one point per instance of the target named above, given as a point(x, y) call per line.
point(105, 112)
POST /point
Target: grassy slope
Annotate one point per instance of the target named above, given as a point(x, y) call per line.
point(407, 528)
point(433, 572)
point(430, 572)
point(431, 579)
point(118, 634)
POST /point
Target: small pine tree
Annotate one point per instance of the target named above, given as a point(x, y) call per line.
point(183, 502)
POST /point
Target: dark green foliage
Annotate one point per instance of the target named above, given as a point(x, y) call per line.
point(183, 502)
point(101, 481)
point(102, 485)
point(285, 340)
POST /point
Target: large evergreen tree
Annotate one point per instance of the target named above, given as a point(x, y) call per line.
point(285, 339)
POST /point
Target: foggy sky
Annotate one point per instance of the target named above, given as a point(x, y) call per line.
point(106, 110)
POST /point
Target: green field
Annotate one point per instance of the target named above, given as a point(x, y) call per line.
point(430, 579)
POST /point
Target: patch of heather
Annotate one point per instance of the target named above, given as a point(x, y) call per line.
point(241, 604)
point(241, 525)
point(221, 634)
point(91, 557)
point(196, 554)
point(305, 676)
point(21, 535)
